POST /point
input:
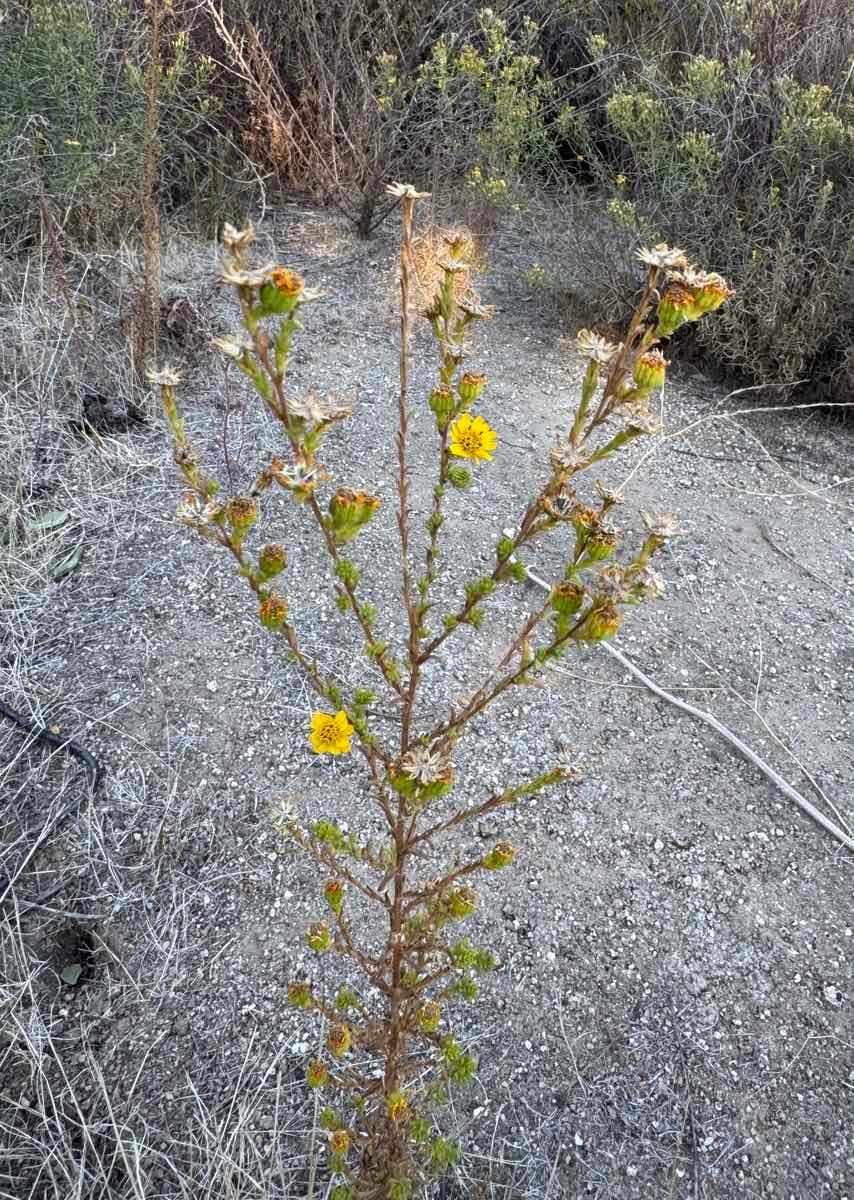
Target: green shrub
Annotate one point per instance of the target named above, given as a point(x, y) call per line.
point(736, 137)
point(72, 111)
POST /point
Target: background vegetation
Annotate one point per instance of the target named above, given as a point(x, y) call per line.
point(725, 128)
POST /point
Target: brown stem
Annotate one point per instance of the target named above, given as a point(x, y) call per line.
point(279, 409)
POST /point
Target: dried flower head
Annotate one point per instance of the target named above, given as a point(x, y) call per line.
point(301, 478)
point(662, 525)
point(666, 258)
point(319, 410)
point(614, 583)
point(166, 377)
point(330, 734)
point(235, 347)
point(639, 418)
point(560, 505)
point(652, 583)
point(472, 306)
point(563, 456)
point(472, 437)
point(425, 765)
point(610, 496)
point(597, 349)
point(251, 277)
point(237, 240)
point(406, 191)
point(454, 266)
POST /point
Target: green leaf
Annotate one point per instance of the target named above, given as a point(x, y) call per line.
point(68, 564)
point(71, 973)
point(52, 519)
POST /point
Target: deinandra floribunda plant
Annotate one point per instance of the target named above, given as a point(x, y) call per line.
point(390, 1055)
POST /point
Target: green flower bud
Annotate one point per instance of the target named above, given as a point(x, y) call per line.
point(273, 611)
point(347, 571)
point(650, 370)
point(461, 902)
point(567, 598)
point(429, 1016)
point(419, 1129)
point(601, 622)
point(443, 403)
point(499, 856)
point(334, 893)
point(345, 999)
point(339, 1143)
point(458, 476)
point(471, 386)
point(242, 512)
point(339, 1040)
point(299, 993)
point(599, 545)
point(318, 937)
point(271, 561)
point(675, 307)
point(317, 1075)
point(349, 510)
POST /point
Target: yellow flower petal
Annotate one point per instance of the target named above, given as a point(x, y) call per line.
point(472, 438)
point(330, 734)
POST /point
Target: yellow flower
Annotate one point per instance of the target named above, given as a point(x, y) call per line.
point(330, 735)
point(471, 437)
point(288, 282)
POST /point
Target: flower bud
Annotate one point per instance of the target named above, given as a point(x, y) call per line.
point(318, 937)
point(649, 370)
point(499, 856)
point(429, 1016)
point(461, 902)
point(443, 404)
point(471, 386)
point(599, 545)
point(273, 611)
point(339, 1040)
point(567, 598)
point(317, 1075)
point(458, 477)
point(339, 1143)
point(271, 561)
point(334, 893)
point(711, 295)
point(601, 622)
point(349, 511)
point(290, 283)
point(242, 512)
point(675, 307)
point(299, 993)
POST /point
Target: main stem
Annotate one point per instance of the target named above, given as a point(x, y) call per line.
point(395, 1045)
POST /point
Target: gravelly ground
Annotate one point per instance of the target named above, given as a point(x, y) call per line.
point(673, 1012)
